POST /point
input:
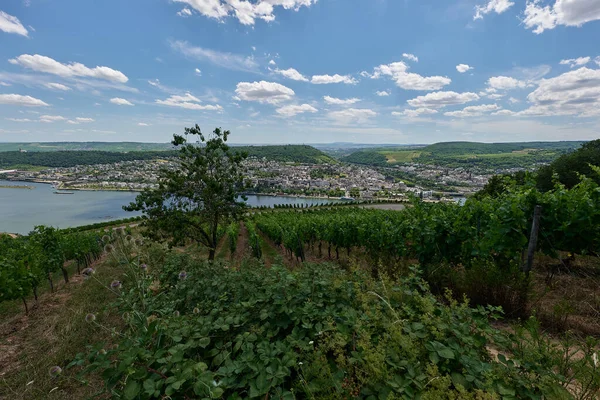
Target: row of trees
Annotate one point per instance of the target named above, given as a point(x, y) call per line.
point(26, 262)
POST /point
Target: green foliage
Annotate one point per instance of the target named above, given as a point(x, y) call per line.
point(233, 231)
point(26, 261)
point(254, 239)
point(288, 153)
point(366, 157)
point(318, 332)
point(193, 201)
point(57, 159)
point(569, 168)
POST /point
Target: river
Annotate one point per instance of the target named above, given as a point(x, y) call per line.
point(21, 209)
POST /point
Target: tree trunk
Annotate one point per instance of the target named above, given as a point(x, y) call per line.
point(51, 283)
point(211, 254)
point(35, 295)
point(329, 250)
point(25, 304)
point(320, 250)
point(337, 252)
point(65, 274)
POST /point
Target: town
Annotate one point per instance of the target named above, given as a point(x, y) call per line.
point(278, 178)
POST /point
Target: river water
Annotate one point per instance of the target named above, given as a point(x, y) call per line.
point(22, 209)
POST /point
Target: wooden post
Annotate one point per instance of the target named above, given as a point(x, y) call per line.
point(533, 239)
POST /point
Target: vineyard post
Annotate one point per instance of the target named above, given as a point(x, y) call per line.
point(533, 239)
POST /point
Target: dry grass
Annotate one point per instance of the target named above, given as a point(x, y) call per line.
point(52, 334)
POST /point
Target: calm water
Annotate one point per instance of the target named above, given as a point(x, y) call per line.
point(21, 209)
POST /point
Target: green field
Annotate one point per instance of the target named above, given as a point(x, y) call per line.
point(467, 154)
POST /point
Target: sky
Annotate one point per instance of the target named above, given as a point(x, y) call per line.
point(300, 71)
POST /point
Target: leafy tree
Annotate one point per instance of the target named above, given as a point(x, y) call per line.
point(569, 167)
point(355, 192)
point(194, 199)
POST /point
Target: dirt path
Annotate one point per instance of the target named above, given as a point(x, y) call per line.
point(242, 249)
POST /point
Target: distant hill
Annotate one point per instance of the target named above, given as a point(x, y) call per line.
point(468, 154)
point(61, 158)
point(85, 146)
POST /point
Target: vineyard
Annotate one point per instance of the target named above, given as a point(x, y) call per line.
point(27, 262)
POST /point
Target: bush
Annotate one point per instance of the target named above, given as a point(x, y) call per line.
point(319, 332)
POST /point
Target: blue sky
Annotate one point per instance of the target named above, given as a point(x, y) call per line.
point(300, 71)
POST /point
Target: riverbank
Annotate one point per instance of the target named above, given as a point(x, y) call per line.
point(16, 187)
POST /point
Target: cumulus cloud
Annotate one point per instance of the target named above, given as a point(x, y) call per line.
point(292, 74)
point(52, 118)
point(264, 92)
point(576, 62)
point(121, 102)
point(597, 60)
point(245, 11)
point(473, 111)
point(50, 66)
point(382, 93)
point(186, 12)
point(572, 93)
point(18, 119)
point(352, 115)
point(410, 57)
point(11, 24)
point(335, 101)
point(291, 110)
point(20, 100)
point(198, 72)
point(504, 112)
point(442, 99)
point(563, 12)
point(505, 83)
point(513, 100)
point(415, 113)
point(57, 86)
point(398, 71)
point(84, 120)
point(272, 62)
point(143, 124)
point(497, 6)
point(188, 102)
point(327, 79)
point(462, 68)
point(231, 61)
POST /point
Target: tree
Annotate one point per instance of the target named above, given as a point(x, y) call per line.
point(192, 200)
point(355, 192)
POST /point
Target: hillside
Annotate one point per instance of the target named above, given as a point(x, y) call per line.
point(468, 154)
point(62, 158)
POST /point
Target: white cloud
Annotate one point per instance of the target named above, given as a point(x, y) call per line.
point(291, 110)
point(505, 83)
point(497, 6)
point(597, 60)
point(57, 86)
point(143, 124)
point(186, 12)
point(121, 102)
point(352, 115)
point(504, 112)
point(407, 80)
point(52, 118)
point(188, 102)
point(272, 62)
point(264, 92)
point(19, 100)
point(327, 79)
point(563, 12)
point(292, 74)
point(442, 99)
point(576, 62)
point(222, 59)
point(198, 72)
point(473, 111)
point(512, 100)
point(18, 119)
point(10, 24)
point(462, 68)
point(410, 57)
point(333, 100)
point(382, 93)
point(415, 113)
point(572, 93)
point(4, 83)
point(245, 11)
point(50, 66)
point(84, 120)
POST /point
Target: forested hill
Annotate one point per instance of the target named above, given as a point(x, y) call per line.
point(468, 154)
point(287, 153)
